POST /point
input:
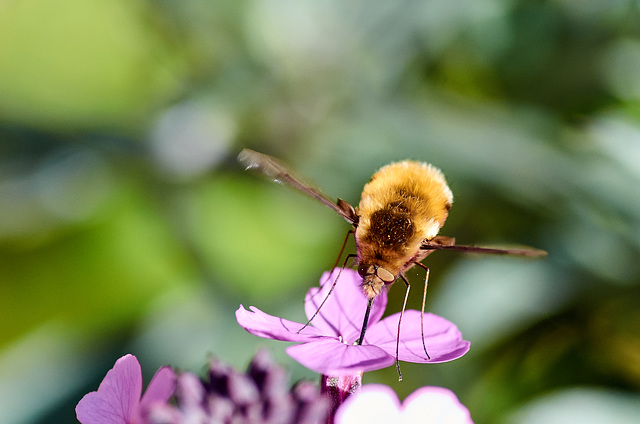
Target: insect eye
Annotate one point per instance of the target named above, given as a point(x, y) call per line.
point(364, 270)
point(385, 275)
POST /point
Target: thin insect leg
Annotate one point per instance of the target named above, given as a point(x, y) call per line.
point(344, 244)
point(328, 294)
point(424, 299)
point(404, 305)
point(365, 322)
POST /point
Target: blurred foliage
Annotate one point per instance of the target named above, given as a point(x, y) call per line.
point(127, 226)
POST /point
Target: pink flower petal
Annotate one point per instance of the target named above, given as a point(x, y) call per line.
point(331, 357)
point(338, 323)
point(160, 389)
point(442, 338)
point(377, 403)
point(117, 398)
point(264, 325)
point(343, 312)
point(435, 404)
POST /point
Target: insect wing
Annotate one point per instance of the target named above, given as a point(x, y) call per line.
point(272, 168)
point(446, 243)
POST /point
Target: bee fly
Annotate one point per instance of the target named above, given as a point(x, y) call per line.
point(395, 226)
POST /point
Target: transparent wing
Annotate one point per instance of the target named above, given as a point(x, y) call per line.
point(447, 243)
point(279, 173)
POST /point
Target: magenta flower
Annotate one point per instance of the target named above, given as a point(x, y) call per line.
point(377, 403)
point(118, 401)
point(327, 344)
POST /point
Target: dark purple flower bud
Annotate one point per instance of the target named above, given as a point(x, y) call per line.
point(259, 396)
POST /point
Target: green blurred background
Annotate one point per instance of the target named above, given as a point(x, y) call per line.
point(126, 225)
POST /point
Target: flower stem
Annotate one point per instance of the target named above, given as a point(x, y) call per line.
point(338, 388)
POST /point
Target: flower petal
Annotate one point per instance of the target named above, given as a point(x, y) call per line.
point(264, 325)
point(441, 337)
point(160, 389)
point(375, 404)
point(343, 312)
point(434, 405)
point(329, 356)
point(117, 398)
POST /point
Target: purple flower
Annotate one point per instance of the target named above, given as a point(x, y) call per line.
point(118, 401)
point(259, 396)
point(377, 403)
point(327, 344)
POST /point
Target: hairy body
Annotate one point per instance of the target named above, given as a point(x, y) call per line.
point(404, 204)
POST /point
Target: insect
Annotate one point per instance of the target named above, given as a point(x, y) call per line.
point(395, 226)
